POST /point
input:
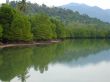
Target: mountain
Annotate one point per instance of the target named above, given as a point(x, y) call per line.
point(65, 15)
point(94, 11)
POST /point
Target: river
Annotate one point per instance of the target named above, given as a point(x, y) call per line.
point(67, 61)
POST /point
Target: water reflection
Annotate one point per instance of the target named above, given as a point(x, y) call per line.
point(17, 61)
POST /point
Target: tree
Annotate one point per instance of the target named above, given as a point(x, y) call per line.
point(6, 17)
point(16, 26)
point(7, 1)
point(22, 6)
point(20, 29)
point(41, 27)
point(59, 28)
point(1, 30)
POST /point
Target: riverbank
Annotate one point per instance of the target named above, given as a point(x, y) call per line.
point(29, 44)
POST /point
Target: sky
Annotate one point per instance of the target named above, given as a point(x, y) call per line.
point(105, 4)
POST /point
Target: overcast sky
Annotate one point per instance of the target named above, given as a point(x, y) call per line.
point(105, 4)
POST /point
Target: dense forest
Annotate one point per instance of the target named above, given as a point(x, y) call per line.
point(26, 22)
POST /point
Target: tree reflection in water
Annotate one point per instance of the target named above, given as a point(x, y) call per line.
point(17, 61)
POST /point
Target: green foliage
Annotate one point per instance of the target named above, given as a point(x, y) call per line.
point(79, 30)
point(74, 24)
point(6, 17)
point(42, 27)
point(16, 26)
point(65, 15)
point(53, 23)
point(59, 28)
point(20, 29)
point(22, 6)
point(1, 30)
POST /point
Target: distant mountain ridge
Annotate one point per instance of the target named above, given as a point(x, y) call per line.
point(94, 11)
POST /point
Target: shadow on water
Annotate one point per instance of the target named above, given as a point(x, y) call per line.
point(16, 61)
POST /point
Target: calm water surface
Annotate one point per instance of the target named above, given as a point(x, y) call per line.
point(68, 61)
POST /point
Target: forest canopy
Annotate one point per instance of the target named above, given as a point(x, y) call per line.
point(38, 22)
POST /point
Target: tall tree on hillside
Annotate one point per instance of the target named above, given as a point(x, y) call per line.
point(7, 1)
point(22, 6)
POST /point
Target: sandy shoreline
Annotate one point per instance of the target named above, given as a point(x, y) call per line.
point(29, 44)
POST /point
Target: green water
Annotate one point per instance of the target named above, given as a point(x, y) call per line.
point(68, 61)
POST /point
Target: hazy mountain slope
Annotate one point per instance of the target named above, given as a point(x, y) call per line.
point(95, 11)
point(66, 15)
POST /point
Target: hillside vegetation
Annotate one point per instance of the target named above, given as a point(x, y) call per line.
point(92, 11)
point(39, 22)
